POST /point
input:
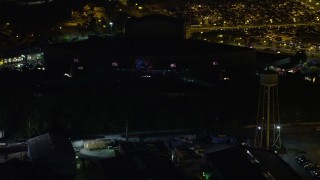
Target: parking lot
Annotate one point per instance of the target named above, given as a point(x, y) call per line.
point(303, 140)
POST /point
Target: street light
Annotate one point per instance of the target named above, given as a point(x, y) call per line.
point(111, 24)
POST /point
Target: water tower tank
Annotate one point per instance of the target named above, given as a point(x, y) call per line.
point(269, 78)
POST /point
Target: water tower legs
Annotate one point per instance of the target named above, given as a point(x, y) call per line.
point(268, 118)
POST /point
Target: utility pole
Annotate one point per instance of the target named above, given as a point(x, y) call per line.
point(126, 130)
point(29, 128)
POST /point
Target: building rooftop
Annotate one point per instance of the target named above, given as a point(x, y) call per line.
point(250, 163)
point(274, 164)
point(149, 47)
point(138, 166)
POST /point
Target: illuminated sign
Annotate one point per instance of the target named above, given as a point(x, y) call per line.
point(114, 64)
point(143, 63)
point(173, 65)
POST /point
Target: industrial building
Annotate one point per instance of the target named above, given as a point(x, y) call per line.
point(54, 151)
point(146, 48)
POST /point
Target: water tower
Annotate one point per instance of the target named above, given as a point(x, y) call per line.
point(268, 119)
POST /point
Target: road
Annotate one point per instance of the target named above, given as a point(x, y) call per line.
point(210, 28)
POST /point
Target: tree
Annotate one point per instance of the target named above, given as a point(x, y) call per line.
point(300, 56)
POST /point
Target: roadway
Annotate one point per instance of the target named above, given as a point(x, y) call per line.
point(211, 28)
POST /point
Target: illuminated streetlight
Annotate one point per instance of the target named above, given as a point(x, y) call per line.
point(111, 24)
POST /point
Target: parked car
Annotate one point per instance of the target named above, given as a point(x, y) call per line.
point(299, 157)
point(305, 162)
point(315, 173)
point(311, 166)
